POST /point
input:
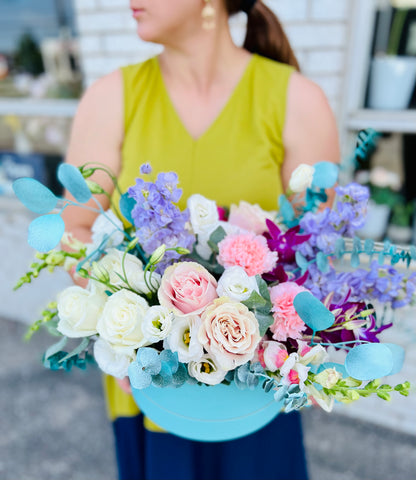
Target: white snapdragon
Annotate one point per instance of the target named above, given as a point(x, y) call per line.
point(107, 225)
point(203, 214)
point(293, 371)
point(157, 323)
point(120, 323)
point(183, 338)
point(78, 311)
point(206, 370)
point(236, 284)
point(112, 360)
point(301, 178)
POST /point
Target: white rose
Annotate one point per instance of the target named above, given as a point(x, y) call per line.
point(236, 284)
point(121, 321)
point(133, 270)
point(203, 214)
point(78, 311)
point(301, 178)
point(183, 338)
point(107, 225)
point(113, 361)
point(157, 323)
point(206, 370)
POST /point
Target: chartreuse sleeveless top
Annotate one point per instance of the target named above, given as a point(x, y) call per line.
point(237, 158)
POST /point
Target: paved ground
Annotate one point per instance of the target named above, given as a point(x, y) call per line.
point(54, 427)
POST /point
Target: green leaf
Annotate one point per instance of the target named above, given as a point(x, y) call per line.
point(77, 350)
point(256, 301)
point(384, 395)
point(263, 289)
point(265, 320)
point(215, 238)
point(55, 348)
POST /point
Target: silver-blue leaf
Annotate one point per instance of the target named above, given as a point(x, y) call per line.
point(34, 196)
point(46, 232)
point(72, 179)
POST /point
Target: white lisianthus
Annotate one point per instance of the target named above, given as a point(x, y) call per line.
point(183, 338)
point(112, 360)
point(120, 323)
point(236, 284)
point(206, 370)
point(78, 311)
point(157, 323)
point(203, 214)
point(107, 225)
point(133, 270)
point(326, 402)
point(328, 377)
point(301, 178)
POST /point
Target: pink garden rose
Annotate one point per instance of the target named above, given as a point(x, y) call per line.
point(249, 217)
point(187, 288)
point(229, 332)
point(287, 323)
point(248, 251)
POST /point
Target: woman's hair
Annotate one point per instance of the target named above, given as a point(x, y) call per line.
point(265, 34)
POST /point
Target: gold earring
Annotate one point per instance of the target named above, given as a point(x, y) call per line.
point(208, 16)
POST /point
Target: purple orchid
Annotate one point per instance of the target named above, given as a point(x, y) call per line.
point(284, 243)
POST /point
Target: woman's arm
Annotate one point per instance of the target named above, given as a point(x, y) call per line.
point(97, 137)
point(310, 134)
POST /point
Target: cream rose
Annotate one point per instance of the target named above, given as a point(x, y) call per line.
point(206, 370)
point(157, 323)
point(187, 288)
point(112, 263)
point(301, 178)
point(78, 311)
point(121, 321)
point(183, 338)
point(229, 332)
point(250, 217)
point(112, 360)
point(203, 214)
point(236, 284)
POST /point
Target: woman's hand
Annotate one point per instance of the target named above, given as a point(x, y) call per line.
point(124, 384)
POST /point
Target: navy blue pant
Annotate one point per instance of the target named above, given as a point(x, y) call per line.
point(273, 453)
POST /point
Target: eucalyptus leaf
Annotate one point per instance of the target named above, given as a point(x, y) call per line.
point(263, 289)
point(215, 238)
point(286, 209)
point(265, 321)
point(322, 262)
point(46, 232)
point(255, 300)
point(77, 350)
point(34, 196)
point(325, 175)
point(55, 348)
point(126, 205)
point(72, 179)
point(313, 312)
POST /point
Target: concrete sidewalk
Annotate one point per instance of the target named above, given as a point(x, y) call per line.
point(54, 426)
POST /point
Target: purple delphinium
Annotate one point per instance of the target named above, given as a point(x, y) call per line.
point(157, 220)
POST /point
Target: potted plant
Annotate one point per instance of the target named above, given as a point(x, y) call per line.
point(383, 185)
point(392, 76)
point(400, 228)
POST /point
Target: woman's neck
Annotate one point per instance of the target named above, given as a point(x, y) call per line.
point(206, 59)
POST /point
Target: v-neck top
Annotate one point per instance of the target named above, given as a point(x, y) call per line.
point(239, 155)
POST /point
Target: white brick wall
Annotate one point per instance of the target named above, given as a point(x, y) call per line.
point(317, 29)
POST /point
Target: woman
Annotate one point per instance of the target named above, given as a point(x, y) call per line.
point(233, 125)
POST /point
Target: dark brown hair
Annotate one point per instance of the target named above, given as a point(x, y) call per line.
point(265, 34)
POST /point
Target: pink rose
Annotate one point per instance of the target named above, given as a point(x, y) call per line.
point(187, 288)
point(287, 323)
point(250, 217)
point(248, 251)
point(229, 332)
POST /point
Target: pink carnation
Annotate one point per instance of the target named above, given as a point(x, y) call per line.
point(287, 323)
point(248, 251)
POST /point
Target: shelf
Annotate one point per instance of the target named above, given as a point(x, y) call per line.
point(38, 107)
point(403, 121)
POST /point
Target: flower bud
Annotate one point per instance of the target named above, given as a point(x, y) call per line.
point(86, 172)
point(158, 254)
point(182, 250)
point(100, 273)
point(94, 187)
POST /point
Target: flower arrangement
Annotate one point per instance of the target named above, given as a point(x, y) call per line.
point(211, 296)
